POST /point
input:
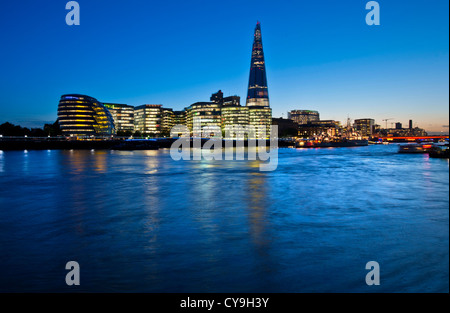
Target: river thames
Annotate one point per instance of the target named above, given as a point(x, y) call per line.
point(138, 221)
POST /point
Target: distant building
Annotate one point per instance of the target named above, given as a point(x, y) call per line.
point(123, 116)
point(398, 131)
point(376, 129)
point(81, 115)
point(303, 116)
point(148, 118)
point(225, 101)
point(231, 101)
point(365, 126)
point(323, 128)
point(286, 127)
point(217, 97)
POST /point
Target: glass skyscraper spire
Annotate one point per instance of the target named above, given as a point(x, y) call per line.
point(257, 84)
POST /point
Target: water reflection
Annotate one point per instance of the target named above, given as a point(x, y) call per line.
point(2, 161)
point(257, 208)
point(85, 161)
point(76, 160)
point(26, 161)
point(151, 161)
point(152, 224)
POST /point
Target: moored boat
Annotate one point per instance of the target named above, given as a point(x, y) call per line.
point(415, 148)
point(332, 144)
point(440, 151)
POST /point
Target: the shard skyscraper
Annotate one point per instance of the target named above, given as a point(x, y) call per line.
point(259, 112)
point(257, 84)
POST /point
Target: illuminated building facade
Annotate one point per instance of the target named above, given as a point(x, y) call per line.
point(179, 118)
point(167, 121)
point(232, 113)
point(235, 116)
point(148, 118)
point(204, 114)
point(365, 126)
point(258, 94)
point(303, 116)
point(123, 116)
point(324, 128)
point(261, 119)
point(81, 116)
point(259, 113)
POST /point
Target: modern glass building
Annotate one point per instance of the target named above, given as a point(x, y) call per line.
point(235, 116)
point(203, 114)
point(365, 126)
point(179, 118)
point(123, 116)
point(167, 120)
point(261, 119)
point(81, 116)
point(148, 118)
point(303, 116)
point(258, 94)
point(259, 113)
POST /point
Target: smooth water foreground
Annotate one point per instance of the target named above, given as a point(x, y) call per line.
point(142, 222)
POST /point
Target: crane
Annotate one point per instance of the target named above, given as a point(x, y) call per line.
point(386, 120)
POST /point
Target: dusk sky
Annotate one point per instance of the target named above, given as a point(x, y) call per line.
point(320, 55)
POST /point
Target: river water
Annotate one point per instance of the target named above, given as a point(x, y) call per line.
point(138, 221)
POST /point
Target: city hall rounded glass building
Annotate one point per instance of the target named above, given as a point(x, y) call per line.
point(80, 116)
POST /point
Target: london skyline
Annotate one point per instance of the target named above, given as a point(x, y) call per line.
point(322, 58)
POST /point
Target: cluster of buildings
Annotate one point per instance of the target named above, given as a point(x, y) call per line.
point(81, 115)
point(400, 131)
point(84, 116)
point(309, 125)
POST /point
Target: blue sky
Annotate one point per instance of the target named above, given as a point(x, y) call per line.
point(320, 55)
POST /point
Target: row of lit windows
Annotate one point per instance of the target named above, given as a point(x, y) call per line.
point(79, 114)
point(79, 130)
point(64, 121)
point(75, 106)
point(69, 101)
point(128, 117)
point(76, 125)
point(75, 111)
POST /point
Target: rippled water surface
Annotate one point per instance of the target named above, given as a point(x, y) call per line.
point(141, 222)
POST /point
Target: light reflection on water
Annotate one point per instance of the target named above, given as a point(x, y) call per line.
point(1, 161)
point(139, 221)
